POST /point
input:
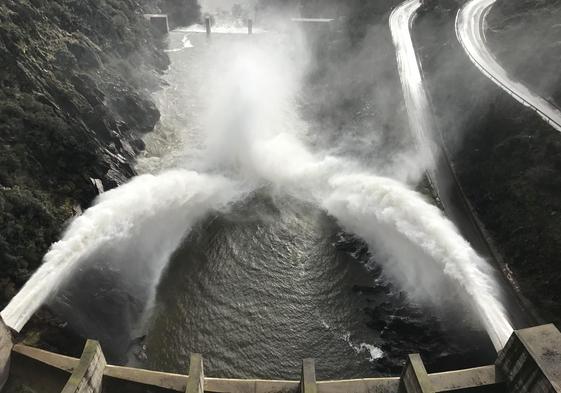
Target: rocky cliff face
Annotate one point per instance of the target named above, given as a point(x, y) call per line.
point(74, 103)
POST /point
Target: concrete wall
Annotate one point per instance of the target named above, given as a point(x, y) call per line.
point(531, 360)
point(158, 23)
point(446, 381)
point(196, 380)
point(441, 382)
point(415, 378)
point(88, 374)
point(6, 345)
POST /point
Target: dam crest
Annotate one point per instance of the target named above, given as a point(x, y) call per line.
point(529, 363)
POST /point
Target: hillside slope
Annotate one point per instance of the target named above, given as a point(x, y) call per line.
point(506, 157)
point(75, 83)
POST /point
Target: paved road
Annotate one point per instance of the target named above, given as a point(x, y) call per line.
point(470, 29)
point(429, 139)
point(419, 112)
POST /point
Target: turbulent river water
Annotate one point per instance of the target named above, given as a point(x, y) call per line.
point(235, 239)
point(276, 280)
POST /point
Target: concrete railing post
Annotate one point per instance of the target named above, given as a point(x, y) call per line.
point(414, 378)
point(6, 344)
point(159, 26)
point(196, 380)
point(531, 360)
point(207, 25)
point(308, 380)
point(88, 375)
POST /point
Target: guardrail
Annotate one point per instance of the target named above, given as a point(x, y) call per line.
point(414, 375)
point(438, 149)
point(517, 96)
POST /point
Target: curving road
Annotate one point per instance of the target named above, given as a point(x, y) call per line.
point(417, 104)
point(429, 140)
point(470, 29)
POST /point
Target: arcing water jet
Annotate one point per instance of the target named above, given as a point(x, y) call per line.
point(414, 234)
point(256, 103)
point(150, 215)
point(419, 240)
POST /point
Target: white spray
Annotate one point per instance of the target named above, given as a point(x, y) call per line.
point(419, 243)
point(252, 135)
point(153, 213)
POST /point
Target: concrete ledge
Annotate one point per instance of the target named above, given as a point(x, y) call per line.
point(531, 360)
point(6, 344)
point(88, 375)
point(196, 381)
point(465, 379)
point(365, 385)
point(62, 362)
point(220, 385)
point(414, 378)
point(308, 382)
point(442, 382)
point(158, 23)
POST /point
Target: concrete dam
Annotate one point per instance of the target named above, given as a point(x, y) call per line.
point(529, 363)
point(199, 188)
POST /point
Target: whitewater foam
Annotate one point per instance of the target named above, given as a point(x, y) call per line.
point(373, 351)
point(151, 214)
point(185, 44)
point(416, 244)
point(255, 133)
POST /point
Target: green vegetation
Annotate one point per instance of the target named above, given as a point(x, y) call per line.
point(74, 100)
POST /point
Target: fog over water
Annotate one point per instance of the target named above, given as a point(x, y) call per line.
point(261, 136)
point(237, 241)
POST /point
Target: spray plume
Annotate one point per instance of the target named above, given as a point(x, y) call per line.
point(418, 241)
point(150, 214)
point(255, 135)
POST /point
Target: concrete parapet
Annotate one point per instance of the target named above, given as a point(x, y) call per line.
point(470, 378)
point(531, 360)
point(6, 344)
point(414, 378)
point(158, 23)
point(196, 380)
point(365, 385)
point(88, 374)
point(473, 378)
point(308, 380)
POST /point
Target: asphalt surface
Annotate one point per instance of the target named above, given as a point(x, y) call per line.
point(470, 29)
point(440, 170)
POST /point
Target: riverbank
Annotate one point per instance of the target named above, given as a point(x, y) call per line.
point(506, 157)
